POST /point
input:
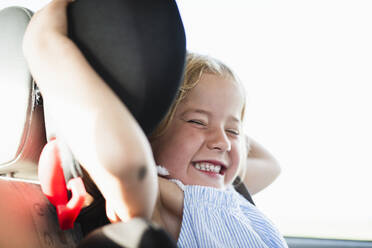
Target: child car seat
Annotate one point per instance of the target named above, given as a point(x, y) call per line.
point(138, 48)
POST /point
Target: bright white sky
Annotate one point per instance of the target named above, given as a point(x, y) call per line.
point(307, 66)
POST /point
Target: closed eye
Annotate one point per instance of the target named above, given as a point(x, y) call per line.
point(197, 122)
point(233, 132)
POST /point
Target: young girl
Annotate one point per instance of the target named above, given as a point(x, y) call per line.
point(200, 143)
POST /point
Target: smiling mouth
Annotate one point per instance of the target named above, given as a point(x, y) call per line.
point(210, 168)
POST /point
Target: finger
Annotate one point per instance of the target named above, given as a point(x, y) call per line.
point(111, 214)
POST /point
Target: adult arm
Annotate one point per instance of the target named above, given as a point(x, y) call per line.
point(100, 131)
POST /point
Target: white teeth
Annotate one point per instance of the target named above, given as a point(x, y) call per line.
point(208, 167)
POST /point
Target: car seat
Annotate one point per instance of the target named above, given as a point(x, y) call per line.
point(22, 129)
point(25, 132)
point(139, 49)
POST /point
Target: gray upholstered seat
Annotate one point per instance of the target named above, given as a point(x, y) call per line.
point(22, 132)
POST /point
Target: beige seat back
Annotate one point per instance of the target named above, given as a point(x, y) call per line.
point(22, 131)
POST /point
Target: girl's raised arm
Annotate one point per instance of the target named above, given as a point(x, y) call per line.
point(95, 124)
point(261, 168)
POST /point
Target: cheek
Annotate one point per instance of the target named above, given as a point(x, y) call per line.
point(176, 149)
point(236, 161)
point(163, 153)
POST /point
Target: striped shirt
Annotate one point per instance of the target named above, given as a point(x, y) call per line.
point(223, 218)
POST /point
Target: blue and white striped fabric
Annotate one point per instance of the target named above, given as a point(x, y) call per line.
point(223, 218)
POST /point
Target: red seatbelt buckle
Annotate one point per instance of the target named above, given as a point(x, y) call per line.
point(55, 188)
point(67, 213)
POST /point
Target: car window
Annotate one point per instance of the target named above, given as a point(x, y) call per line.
point(306, 66)
point(307, 70)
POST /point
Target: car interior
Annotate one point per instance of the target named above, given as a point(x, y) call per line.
point(26, 127)
point(19, 163)
point(24, 136)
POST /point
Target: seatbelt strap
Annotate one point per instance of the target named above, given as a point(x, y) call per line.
point(61, 181)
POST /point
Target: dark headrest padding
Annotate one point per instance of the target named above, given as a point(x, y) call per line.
point(137, 47)
point(134, 233)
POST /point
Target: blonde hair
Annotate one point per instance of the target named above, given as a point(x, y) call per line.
point(196, 65)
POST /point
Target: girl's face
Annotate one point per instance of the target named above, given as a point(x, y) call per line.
point(202, 145)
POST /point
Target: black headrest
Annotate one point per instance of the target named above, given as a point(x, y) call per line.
point(137, 47)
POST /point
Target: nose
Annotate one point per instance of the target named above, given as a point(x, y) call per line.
point(218, 140)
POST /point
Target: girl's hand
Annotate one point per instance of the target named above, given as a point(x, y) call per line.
point(248, 145)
